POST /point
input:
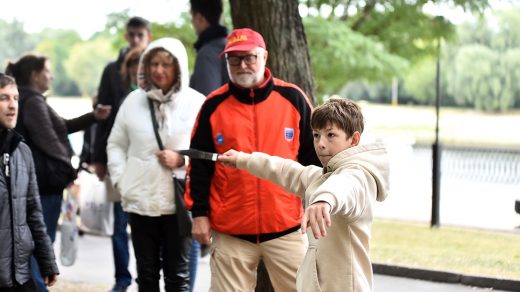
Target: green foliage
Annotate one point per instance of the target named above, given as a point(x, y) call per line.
point(58, 53)
point(482, 77)
point(85, 64)
point(15, 42)
point(421, 81)
point(339, 55)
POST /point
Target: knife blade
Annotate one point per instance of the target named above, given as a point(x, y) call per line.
point(198, 154)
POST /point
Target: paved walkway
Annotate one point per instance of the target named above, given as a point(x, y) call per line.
point(93, 272)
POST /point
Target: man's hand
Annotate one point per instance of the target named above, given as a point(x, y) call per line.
point(201, 230)
point(317, 217)
point(102, 112)
point(229, 158)
point(170, 159)
point(50, 280)
point(101, 170)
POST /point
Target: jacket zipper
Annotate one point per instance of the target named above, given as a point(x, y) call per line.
point(258, 208)
point(6, 160)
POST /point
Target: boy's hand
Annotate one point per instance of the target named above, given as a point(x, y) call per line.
point(317, 217)
point(229, 158)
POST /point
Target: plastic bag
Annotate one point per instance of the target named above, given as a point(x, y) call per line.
point(69, 231)
point(96, 212)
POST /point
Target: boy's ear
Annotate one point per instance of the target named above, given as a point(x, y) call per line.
point(356, 137)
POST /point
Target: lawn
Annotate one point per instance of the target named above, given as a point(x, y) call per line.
point(456, 126)
point(458, 250)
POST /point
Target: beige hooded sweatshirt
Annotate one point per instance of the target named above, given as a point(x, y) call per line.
point(351, 183)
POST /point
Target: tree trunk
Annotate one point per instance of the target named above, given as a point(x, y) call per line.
point(280, 23)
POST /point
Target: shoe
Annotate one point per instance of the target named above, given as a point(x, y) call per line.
point(118, 289)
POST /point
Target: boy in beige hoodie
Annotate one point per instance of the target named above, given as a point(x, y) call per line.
point(339, 198)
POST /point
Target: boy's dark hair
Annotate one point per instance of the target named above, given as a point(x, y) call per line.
point(138, 22)
point(341, 112)
point(210, 9)
point(6, 80)
point(23, 69)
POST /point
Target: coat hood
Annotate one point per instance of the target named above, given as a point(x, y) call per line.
point(178, 51)
point(373, 158)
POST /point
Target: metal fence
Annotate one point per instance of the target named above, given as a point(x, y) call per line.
point(494, 165)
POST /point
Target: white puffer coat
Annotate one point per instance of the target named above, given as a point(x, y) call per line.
point(146, 186)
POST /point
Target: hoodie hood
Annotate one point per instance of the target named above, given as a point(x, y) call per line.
point(178, 51)
point(373, 158)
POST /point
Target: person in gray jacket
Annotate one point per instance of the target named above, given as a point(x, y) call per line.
point(22, 229)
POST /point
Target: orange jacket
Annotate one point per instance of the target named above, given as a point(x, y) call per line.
point(274, 119)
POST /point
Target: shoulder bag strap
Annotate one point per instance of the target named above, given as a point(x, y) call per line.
point(155, 125)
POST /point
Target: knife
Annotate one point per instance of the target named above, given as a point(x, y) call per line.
point(198, 154)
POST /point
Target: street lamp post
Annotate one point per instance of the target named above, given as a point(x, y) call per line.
point(436, 147)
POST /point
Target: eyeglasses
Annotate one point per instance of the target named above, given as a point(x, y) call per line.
point(237, 60)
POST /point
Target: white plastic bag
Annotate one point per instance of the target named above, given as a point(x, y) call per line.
point(69, 231)
point(96, 212)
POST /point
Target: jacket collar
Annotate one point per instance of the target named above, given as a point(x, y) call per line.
point(253, 95)
point(9, 140)
point(211, 33)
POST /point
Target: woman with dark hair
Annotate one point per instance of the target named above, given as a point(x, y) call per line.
point(46, 134)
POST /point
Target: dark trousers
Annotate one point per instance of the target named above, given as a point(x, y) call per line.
point(120, 247)
point(157, 245)
point(27, 287)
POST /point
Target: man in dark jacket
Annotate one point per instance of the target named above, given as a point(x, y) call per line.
point(112, 91)
point(22, 230)
point(210, 70)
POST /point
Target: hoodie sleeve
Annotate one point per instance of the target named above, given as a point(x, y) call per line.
point(345, 192)
point(289, 174)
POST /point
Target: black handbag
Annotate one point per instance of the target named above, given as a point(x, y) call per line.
point(184, 220)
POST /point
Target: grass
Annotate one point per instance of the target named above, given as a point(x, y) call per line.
point(458, 250)
point(456, 126)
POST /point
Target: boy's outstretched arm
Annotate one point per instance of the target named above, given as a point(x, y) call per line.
point(317, 217)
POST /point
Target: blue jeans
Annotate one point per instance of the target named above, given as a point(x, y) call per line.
point(193, 262)
point(120, 247)
point(51, 208)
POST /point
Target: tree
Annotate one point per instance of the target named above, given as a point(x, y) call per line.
point(15, 42)
point(340, 55)
point(403, 27)
point(85, 64)
point(58, 52)
point(281, 25)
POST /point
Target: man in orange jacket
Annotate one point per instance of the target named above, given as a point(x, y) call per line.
point(244, 218)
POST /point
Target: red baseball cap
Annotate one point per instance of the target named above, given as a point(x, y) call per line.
point(243, 39)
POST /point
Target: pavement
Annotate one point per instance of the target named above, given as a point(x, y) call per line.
point(93, 272)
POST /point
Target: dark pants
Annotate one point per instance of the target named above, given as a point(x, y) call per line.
point(27, 287)
point(51, 208)
point(120, 247)
point(157, 245)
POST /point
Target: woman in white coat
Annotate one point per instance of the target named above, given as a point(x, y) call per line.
point(143, 173)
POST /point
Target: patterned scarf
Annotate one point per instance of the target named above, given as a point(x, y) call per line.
point(161, 101)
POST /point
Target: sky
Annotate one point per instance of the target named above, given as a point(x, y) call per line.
point(88, 17)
